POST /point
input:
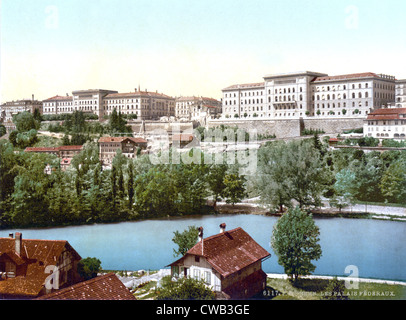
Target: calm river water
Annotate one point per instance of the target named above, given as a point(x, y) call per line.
point(375, 247)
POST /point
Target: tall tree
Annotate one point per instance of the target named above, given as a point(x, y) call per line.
point(215, 180)
point(289, 171)
point(295, 241)
point(130, 184)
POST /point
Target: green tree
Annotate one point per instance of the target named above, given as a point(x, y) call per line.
point(25, 121)
point(29, 198)
point(289, 171)
point(393, 182)
point(215, 180)
point(270, 182)
point(89, 267)
point(295, 241)
point(3, 130)
point(234, 190)
point(185, 289)
point(130, 184)
point(155, 193)
point(118, 126)
point(345, 188)
point(185, 240)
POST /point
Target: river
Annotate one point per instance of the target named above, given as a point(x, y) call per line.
point(375, 247)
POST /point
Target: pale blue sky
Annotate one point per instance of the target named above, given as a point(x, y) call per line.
point(181, 47)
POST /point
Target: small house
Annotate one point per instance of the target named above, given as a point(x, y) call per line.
point(30, 268)
point(229, 262)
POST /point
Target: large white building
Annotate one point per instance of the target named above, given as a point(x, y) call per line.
point(309, 94)
point(58, 105)
point(146, 105)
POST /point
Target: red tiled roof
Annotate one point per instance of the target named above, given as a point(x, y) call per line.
point(70, 148)
point(106, 287)
point(59, 98)
point(230, 251)
point(386, 114)
point(138, 140)
point(121, 139)
point(37, 254)
point(347, 76)
point(112, 139)
point(41, 149)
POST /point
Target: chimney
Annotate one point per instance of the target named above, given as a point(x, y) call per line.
point(18, 239)
point(32, 97)
point(222, 227)
point(200, 233)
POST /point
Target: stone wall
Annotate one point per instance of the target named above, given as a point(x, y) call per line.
point(153, 126)
point(291, 128)
point(281, 128)
point(335, 125)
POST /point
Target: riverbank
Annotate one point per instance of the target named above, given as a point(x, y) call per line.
point(358, 211)
point(144, 283)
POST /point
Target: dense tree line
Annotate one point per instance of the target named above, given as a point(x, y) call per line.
point(131, 189)
point(288, 174)
point(306, 170)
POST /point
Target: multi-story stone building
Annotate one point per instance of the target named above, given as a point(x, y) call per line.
point(244, 100)
point(193, 108)
point(400, 100)
point(146, 105)
point(12, 108)
point(309, 94)
point(91, 100)
point(58, 105)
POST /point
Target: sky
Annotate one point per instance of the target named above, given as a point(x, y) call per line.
point(190, 47)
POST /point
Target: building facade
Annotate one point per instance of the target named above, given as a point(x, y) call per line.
point(108, 147)
point(91, 101)
point(309, 94)
point(144, 104)
point(386, 123)
point(194, 108)
point(58, 105)
point(400, 101)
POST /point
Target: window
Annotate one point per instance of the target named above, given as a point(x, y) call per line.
point(207, 277)
point(175, 271)
point(196, 274)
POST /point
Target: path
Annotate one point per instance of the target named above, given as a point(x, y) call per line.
point(285, 276)
point(133, 281)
